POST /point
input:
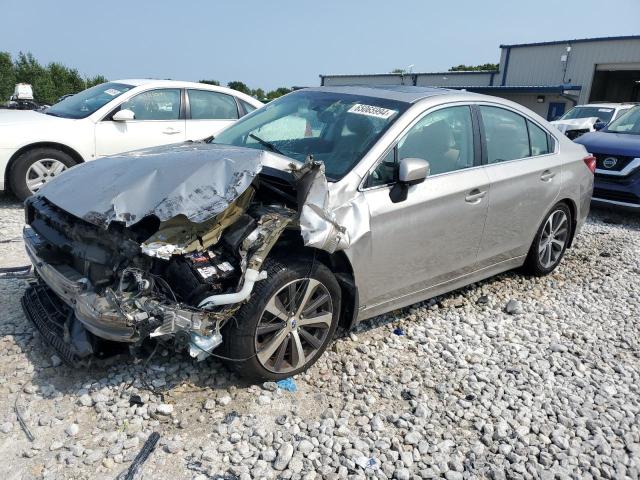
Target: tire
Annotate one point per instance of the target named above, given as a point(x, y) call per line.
point(51, 162)
point(546, 251)
point(252, 349)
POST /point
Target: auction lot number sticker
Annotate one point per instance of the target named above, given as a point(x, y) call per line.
point(371, 111)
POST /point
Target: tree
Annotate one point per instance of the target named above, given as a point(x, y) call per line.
point(64, 80)
point(278, 92)
point(474, 68)
point(258, 93)
point(401, 71)
point(49, 83)
point(239, 86)
point(7, 76)
point(210, 82)
point(93, 81)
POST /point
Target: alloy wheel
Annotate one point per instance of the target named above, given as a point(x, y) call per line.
point(553, 238)
point(294, 325)
point(43, 171)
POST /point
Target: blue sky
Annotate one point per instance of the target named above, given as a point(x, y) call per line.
point(286, 43)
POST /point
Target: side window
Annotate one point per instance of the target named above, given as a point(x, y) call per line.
point(505, 134)
point(444, 138)
point(621, 112)
point(207, 105)
point(248, 108)
point(385, 172)
point(161, 104)
point(539, 139)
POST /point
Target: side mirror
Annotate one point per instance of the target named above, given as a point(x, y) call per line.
point(412, 171)
point(123, 115)
point(599, 125)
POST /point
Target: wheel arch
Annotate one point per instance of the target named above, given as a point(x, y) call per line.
point(291, 244)
point(32, 146)
point(574, 220)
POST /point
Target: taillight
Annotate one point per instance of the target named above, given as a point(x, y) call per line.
point(590, 162)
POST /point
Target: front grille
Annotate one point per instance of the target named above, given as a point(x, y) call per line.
point(50, 315)
point(615, 195)
point(618, 161)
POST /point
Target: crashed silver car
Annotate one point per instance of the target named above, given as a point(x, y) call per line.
point(324, 208)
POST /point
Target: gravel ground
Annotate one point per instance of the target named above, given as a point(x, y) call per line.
point(466, 390)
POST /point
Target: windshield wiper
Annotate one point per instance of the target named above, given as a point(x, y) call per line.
point(52, 114)
point(264, 143)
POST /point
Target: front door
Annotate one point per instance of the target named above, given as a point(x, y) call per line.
point(433, 235)
point(525, 182)
point(158, 121)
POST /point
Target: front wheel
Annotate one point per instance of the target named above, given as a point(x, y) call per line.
point(550, 242)
point(288, 322)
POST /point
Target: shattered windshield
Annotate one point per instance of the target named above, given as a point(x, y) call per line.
point(83, 104)
point(337, 129)
point(603, 113)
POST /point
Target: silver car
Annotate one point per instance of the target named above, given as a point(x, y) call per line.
point(324, 208)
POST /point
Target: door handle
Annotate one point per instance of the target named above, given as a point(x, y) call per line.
point(547, 176)
point(475, 195)
point(170, 131)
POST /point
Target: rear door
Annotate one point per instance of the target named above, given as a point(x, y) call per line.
point(209, 112)
point(524, 172)
point(158, 121)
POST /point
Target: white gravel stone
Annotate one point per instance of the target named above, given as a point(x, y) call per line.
point(467, 391)
point(164, 409)
point(72, 430)
point(285, 453)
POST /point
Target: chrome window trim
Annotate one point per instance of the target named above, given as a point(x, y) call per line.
point(419, 117)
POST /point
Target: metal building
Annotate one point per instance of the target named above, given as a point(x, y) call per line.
point(547, 77)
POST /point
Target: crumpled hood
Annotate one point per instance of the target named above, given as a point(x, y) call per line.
point(197, 180)
point(575, 124)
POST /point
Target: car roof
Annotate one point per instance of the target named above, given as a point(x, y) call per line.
point(150, 82)
point(402, 93)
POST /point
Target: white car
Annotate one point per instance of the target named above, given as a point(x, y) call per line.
point(589, 117)
point(110, 118)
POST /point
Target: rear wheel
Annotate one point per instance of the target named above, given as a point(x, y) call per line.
point(288, 322)
point(550, 242)
point(34, 168)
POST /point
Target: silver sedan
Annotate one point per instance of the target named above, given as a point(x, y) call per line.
point(324, 208)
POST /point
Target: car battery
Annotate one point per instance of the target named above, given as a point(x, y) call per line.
point(210, 266)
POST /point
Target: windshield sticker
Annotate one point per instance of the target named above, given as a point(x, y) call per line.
point(607, 110)
point(112, 91)
point(372, 111)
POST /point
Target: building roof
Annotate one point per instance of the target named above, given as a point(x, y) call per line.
point(457, 72)
point(402, 93)
point(520, 88)
point(576, 40)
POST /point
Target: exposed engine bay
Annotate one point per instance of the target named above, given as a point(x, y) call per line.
point(178, 267)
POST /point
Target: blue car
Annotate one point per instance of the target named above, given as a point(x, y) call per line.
point(617, 151)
